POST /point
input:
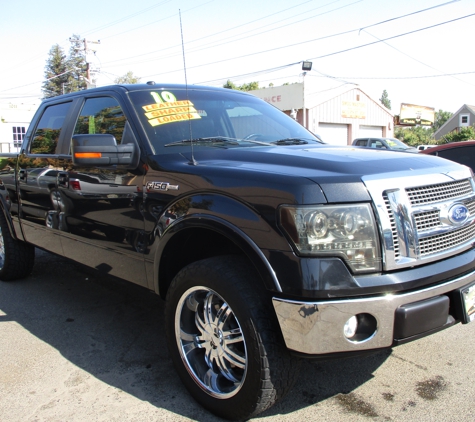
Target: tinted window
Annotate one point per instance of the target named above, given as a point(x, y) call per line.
point(45, 138)
point(361, 143)
point(462, 155)
point(101, 115)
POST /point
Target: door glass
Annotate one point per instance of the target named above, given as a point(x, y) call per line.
point(100, 116)
point(45, 138)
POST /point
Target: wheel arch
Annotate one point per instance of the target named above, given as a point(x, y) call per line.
point(4, 206)
point(204, 236)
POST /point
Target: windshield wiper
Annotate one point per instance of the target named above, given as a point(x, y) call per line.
point(208, 140)
point(294, 141)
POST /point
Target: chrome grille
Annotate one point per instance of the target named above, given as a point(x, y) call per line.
point(446, 241)
point(393, 225)
point(416, 217)
point(439, 192)
point(427, 220)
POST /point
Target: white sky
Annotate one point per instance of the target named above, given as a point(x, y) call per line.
point(248, 41)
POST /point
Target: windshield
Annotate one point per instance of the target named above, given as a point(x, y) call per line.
point(176, 119)
point(396, 144)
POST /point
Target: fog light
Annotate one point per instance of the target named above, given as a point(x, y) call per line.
point(360, 328)
point(350, 327)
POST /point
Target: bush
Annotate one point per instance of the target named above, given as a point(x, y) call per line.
point(464, 134)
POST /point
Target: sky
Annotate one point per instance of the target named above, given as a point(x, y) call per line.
point(419, 51)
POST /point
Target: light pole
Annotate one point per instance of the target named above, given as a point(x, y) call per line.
point(306, 66)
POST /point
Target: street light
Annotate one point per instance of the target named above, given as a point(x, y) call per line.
point(306, 66)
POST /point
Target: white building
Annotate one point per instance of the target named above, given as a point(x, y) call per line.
point(14, 122)
point(337, 115)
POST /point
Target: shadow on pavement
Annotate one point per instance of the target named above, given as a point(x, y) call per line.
point(114, 330)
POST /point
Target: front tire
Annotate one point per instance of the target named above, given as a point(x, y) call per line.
point(16, 257)
point(224, 339)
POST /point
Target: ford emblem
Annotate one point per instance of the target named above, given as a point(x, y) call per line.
point(458, 214)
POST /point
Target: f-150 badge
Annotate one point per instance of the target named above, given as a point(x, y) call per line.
point(163, 186)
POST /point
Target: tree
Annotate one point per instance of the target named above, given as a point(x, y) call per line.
point(77, 78)
point(251, 86)
point(385, 101)
point(63, 73)
point(463, 134)
point(128, 78)
point(414, 136)
point(440, 118)
point(55, 73)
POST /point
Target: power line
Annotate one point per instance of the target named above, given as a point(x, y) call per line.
point(199, 48)
point(401, 77)
point(390, 38)
point(319, 57)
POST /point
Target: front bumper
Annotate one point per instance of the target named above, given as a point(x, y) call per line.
point(316, 328)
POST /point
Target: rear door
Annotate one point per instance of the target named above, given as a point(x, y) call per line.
point(33, 198)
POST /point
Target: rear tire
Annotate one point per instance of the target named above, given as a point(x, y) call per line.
point(16, 257)
point(224, 339)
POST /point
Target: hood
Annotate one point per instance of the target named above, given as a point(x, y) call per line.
point(337, 170)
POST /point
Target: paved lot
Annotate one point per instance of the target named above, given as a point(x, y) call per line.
point(75, 346)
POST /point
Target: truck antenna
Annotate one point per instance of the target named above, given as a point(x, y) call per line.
point(192, 162)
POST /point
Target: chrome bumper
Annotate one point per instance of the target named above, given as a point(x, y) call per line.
point(316, 328)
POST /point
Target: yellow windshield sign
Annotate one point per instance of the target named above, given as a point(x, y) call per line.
point(168, 110)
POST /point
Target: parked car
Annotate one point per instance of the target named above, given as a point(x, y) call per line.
point(424, 147)
point(392, 144)
point(460, 152)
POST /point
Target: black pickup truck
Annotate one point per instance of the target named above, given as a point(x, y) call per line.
point(268, 245)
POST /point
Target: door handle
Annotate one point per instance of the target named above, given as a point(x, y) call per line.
point(63, 179)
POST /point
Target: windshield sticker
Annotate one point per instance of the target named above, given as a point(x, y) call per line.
point(167, 109)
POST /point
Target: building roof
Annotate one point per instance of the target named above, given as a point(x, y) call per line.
point(470, 108)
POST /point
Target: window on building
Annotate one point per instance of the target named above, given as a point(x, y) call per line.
point(18, 135)
point(464, 120)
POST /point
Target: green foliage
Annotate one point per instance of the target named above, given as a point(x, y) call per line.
point(463, 134)
point(128, 78)
point(251, 86)
point(77, 64)
point(385, 101)
point(414, 136)
point(55, 69)
point(441, 117)
point(63, 73)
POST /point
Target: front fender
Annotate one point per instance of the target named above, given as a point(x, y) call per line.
point(234, 226)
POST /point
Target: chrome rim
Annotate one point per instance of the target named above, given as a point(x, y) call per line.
point(211, 342)
point(2, 249)
point(57, 200)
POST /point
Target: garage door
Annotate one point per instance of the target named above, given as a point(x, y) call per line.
point(370, 132)
point(333, 134)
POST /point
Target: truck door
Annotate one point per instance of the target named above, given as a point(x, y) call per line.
point(38, 166)
point(103, 227)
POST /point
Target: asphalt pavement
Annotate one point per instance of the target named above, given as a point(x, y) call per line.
point(79, 346)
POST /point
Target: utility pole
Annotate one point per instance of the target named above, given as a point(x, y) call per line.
point(88, 65)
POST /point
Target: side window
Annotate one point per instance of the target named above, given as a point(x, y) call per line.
point(362, 143)
point(101, 115)
point(377, 144)
point(47, 132)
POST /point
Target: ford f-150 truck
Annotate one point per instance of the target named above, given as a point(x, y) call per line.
point(268, 245)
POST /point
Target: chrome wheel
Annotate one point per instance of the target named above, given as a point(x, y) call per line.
point(211, 342)
point(57, 200)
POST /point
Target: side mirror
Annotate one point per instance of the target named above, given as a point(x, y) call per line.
point(102, 150)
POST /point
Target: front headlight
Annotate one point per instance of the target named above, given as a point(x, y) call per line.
point(348, 231)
